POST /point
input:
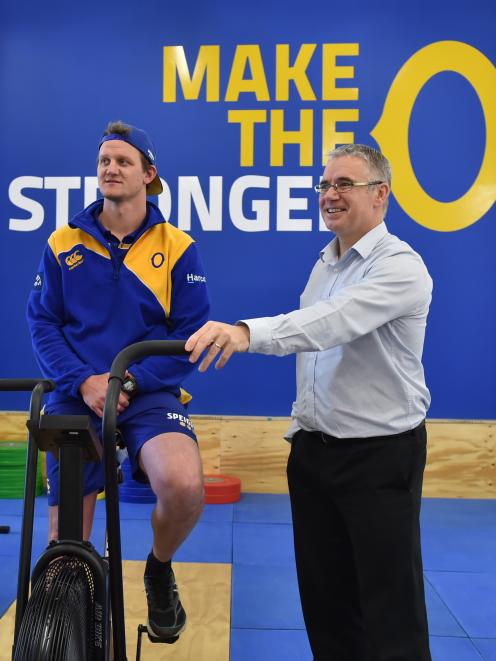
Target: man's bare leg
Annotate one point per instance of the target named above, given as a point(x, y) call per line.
point(173, 465)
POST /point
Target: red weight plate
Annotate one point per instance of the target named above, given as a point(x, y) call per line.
point(222, 489)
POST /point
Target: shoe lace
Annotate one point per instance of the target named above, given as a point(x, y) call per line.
point(160, 591)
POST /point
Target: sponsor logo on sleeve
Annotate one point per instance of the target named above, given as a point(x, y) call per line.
point(191, 278)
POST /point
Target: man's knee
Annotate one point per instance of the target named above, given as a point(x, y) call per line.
point(173, 466)
point(179, 492)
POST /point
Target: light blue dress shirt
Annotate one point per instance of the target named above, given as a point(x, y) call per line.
point(358, 335)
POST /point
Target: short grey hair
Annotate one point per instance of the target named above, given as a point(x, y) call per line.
point(377, 163)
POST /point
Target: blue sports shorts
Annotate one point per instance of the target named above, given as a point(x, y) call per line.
point(147, 416)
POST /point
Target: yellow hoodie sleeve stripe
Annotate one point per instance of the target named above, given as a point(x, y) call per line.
point(65, 239)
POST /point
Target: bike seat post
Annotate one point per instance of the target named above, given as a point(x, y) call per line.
point(71, 487)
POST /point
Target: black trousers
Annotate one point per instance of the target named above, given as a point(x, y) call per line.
point(356, 507)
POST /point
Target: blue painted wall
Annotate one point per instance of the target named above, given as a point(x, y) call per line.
point(425, 68)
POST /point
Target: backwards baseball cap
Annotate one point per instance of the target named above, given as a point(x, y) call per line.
point(139, 139)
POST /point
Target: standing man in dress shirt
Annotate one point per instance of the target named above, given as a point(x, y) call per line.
point(358, 438)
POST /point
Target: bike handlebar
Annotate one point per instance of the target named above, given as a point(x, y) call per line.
point(17, 385)
point(138, 350)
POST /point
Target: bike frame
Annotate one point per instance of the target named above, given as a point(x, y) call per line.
point(130, 354)
point(38, 388)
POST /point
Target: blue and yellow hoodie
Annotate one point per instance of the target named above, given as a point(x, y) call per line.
point(87, 304)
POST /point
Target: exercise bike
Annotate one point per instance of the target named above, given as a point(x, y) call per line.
point(75, 611)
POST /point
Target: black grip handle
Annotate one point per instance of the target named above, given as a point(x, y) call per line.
point(16, 385)
point(147, 348)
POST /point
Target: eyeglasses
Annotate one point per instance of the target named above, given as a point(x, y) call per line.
point(343, 186)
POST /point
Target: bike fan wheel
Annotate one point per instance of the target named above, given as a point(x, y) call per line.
point(58, 621)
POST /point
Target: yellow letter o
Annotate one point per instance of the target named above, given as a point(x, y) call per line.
point(391, 133)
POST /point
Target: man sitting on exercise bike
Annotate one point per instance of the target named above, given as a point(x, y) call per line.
point(119, 274)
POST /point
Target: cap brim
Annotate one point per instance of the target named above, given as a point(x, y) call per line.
point(154, 187)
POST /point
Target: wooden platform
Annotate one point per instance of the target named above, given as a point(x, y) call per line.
point(461, 454)
point(206, 637)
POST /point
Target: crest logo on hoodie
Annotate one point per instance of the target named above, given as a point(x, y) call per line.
point(74, 259)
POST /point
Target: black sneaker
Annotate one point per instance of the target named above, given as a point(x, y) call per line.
point(166, 615)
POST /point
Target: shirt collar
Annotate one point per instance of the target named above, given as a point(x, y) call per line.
point(369, 241)
point(107, 234)
point(363, 247)
point(330, 253)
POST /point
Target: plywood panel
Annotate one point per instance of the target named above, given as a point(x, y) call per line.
point(461, 457)
point(7, 634)
point(207, 633)
point(13, 426)
point(254, 450)
point(208, 431)
point(461, 460)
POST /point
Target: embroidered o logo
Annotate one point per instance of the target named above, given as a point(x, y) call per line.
point(158, 259)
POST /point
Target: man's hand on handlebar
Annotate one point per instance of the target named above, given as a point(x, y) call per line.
point(93, 391)
point(220, 340)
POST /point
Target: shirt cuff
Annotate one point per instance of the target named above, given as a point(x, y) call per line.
point(260, 334)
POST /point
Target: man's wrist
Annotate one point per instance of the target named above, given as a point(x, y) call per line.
point(79, 390)
point(245, 328)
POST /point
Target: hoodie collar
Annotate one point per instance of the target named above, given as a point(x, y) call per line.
point(85, 220)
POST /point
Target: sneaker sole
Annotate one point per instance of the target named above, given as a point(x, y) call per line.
point(164, 638)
